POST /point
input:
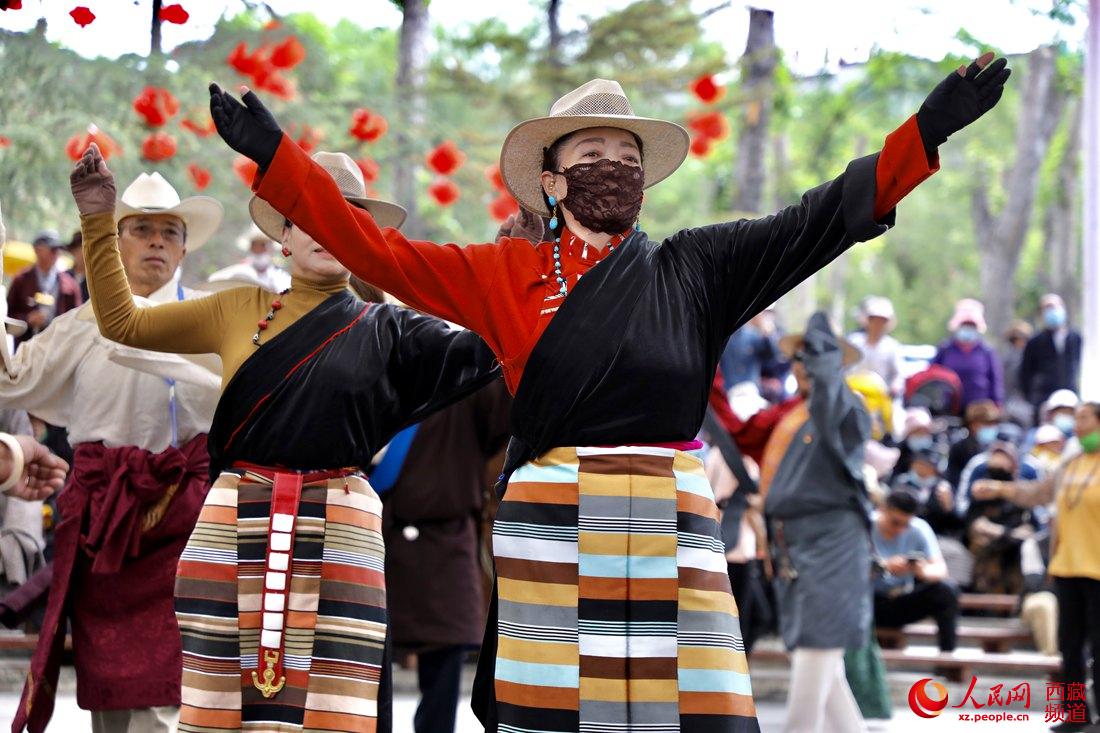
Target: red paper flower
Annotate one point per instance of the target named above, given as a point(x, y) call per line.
point(503, 206)
point(367, 126)
point(700, 146)
point(370, 169)
point(156, 105)
point(199, 176)
point(707, 90)
point(174, 14)
point(78, 143)
point(243, 61)
point(710, 125)
point(5, 141)
point(288, 54)
point(158, 146)
point(82, 16)
point(11, 4)
point(245, 169)
point(444, 191)
point(493, 174)
point(445, 159)
point(204, 130)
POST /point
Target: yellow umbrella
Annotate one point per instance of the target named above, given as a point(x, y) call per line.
point(20, 255)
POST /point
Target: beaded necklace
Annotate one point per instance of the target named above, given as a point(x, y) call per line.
point(563, 288)
point(276, 305)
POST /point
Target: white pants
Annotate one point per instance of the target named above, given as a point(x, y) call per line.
point(137, 720)
point(819, 699)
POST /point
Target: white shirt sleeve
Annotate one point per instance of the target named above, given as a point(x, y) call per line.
point(41, 381)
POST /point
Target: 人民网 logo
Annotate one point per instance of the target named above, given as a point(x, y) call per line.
point(924, 704)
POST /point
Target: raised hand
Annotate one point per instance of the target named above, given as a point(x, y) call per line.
point(44, 473)
point(247, 128)
point(965, 95)
point(92, 183)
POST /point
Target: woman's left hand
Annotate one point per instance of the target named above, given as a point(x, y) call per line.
point(964, 96)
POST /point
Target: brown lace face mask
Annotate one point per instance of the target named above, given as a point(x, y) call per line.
point(604, 196)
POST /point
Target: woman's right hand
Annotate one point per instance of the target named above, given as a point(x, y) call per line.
point(92, 183)
point(248, 128)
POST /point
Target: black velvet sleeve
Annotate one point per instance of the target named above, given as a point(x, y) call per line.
point(435, 364)
point(746, 265)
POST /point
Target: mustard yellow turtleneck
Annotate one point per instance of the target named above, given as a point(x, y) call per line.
point(223, 323)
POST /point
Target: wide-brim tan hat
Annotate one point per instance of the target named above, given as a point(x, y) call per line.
point(792, 344)
point(599, 103)
point(152, 194)
point(349, 179)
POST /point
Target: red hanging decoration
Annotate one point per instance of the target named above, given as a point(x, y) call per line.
point(493, 174)
point(156, 105)
point(273, 24)
point(369, 168)
point(276, 84)
point(700, 146)
point(245, 169)
point(707, 90)
point(367, 126)
point(288, 54)
point(503, 206)
point(78, 143)
point(11, 4)
point(241, 60)
point(444, 191)
point(710, 125)
point(199, 176)
point(158, 146)
point(309, 138)
point(445, 159)
point(174, 14)
point(5, 141)
point(82, 16)
point(204, 130)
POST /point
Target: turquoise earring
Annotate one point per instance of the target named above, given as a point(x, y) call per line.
point(553, 201)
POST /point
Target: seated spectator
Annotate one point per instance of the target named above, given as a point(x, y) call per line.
point(919, 432)
point(1039, 607)
point(937, 506)
point(995, 527)
point(968, 354)
point(881, 351)
point(1059, 410)
point(914, 584)
point(1049, 444)
point(982, 419)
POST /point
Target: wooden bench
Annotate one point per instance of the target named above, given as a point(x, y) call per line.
point(996, 639)
point(1002, 603)
point(17, 642)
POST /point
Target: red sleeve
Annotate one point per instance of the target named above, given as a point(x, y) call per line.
point(902, 165)
point(750, 435)
point(447, 281)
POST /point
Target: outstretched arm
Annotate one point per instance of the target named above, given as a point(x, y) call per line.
point(187, 327)
point(447, 280)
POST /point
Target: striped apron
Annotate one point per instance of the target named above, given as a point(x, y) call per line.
point(615, 611)
point(283, 612)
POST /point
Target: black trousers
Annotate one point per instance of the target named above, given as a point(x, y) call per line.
point(439, 675)
point(1078, 623)
point(938, 600)
point(752, 610)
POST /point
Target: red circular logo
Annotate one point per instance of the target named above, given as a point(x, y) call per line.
point(922, 703)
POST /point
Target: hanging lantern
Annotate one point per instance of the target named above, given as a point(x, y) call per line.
point(158, 146)
point(204, 130)
point(493, 174)
point(11, 4)
point(700, 146)
point(5, 141)
point(199, 176)
point(445, 159)
point(156, 105)
point(288, 54)
point(246, 169)
point(244, 62)
point(174, 14)
point(367, 126)
point(369, 168)
point(78, 143)
point(82, 16)
point(710, 125)
point(276, 84)
point(444, 191)
point(503, 206)
point(707, 90)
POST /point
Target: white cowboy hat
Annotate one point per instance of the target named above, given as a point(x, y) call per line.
point(349, 179)
point(152, 194)
point(12, 327)
point(244, 242)
point(599, 103)
point(239, 275)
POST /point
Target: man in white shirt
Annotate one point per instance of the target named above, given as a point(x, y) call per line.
point(258, 267)
point(139, 479)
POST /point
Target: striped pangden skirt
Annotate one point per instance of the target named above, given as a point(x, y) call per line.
point(615, 611)
point(328, 623)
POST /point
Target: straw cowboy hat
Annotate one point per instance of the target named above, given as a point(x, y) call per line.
point(12, 327)
point(349, 179)
point(150, 193)
point(599, 103)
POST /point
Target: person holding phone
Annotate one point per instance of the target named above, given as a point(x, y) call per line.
point(914, 584)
